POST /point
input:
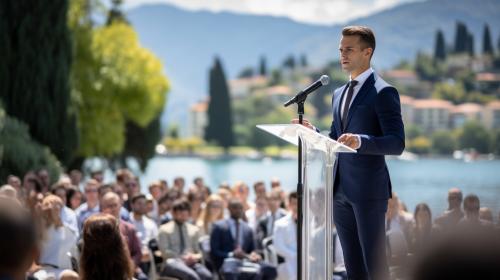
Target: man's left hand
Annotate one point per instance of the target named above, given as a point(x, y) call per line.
point(351, 140)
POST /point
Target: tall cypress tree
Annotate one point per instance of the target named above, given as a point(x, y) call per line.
point(498, 44)
point(220, 121)
point(34, 76)
point(470, 44)
point(303, 60)
point(461, 38)
point(440, 48)
point(487, 44)
point(263, 66)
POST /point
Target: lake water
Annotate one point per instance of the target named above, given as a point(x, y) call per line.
point(422, 180)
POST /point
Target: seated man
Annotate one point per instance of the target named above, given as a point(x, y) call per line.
point(178, 242)
point(231, 242)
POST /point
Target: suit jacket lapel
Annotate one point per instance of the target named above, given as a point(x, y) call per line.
point(359, 97)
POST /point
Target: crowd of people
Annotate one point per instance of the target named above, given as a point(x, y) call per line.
point(91, 229)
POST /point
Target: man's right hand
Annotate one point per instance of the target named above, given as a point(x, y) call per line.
point(305, 123)
point(238, 253)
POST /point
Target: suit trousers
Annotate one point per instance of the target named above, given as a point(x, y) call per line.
point(178, 269)
point(361, 230)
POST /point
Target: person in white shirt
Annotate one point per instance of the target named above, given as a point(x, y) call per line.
point(91, 206)
point(68, 216)
point(58, 241)
point(147, 229)
point(285, 240)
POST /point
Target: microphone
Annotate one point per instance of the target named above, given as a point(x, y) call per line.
point(301, 96)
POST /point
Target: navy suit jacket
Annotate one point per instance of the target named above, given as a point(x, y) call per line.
point(375, 114)
point(222, 241)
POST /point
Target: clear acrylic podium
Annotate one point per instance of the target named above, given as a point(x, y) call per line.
point(319, 153)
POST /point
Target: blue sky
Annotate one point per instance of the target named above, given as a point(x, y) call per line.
point(309, 11)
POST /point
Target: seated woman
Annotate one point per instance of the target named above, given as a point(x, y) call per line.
point(213, 211)
point(58, 242)
point(104, 254)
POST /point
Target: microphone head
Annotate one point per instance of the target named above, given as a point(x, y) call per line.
point(324, 80)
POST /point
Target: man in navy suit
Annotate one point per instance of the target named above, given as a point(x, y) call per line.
point(366, 117)
point(231, 242)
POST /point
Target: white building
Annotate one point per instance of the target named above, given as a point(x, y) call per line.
point(197, 119)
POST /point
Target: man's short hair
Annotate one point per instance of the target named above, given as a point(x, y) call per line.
point(18, 236)
point(365, 34)
point(137, 197)
point(292, 195)
point(181, 205)
point(123, 174)
point(103, 189)
point(471, 203)
point(57, 186)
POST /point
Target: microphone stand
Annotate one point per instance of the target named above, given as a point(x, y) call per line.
point(300, 193)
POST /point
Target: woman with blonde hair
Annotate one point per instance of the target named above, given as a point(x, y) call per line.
point(57, 240)
point(104, 253)
point(213, 211)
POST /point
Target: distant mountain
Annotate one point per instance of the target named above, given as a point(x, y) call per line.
point(187, 41)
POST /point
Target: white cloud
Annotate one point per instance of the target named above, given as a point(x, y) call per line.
point(310, 11)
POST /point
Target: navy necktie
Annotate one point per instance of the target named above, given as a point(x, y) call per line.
point(348, 99)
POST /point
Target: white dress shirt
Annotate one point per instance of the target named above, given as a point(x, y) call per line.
point(361, 78)
point(146, 229)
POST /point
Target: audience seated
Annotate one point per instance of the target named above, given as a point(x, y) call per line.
point(199, 237)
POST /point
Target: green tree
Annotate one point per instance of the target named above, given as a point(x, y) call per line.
point(289, 62)
point(247, 72)
point(495, 143)
point(263, 66)
point(276, 77)
point(487, 44)
point(403, 65)
point(19, 153)
point(413, 131)
point(220, 122)
point(115, 81)
point(34, 73)
point(420, 145)
point(427, 68)
point(452, 92)
point(440, 48)
point(474, 136)
point(443, 142)
point(141, 142)
point(303, 60)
